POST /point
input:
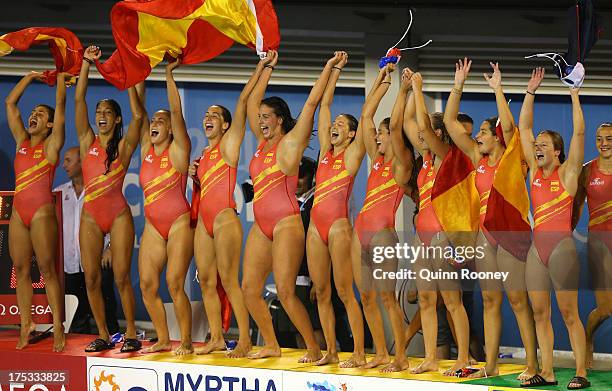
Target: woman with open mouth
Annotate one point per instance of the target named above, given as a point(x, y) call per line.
point(391, 171)
point(218, 234)
point(430, 137)
point(485, 151)
point(33, 224)
point(276, 240)
point(594, 185)
point(328, 239)
point(106, 158)
point(552, 262)
point(167, 238)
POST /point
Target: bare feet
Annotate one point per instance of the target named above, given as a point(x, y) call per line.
point(377, 361)
point(528, 373)
point(159, 346)
point(397, 365)
point(211, 346)
point(425, 366)
point(24, 335)
point(184, 349)
point(356, 360)
point(266, 351)
point(484, 372)
point(472, 361)
point(458, 365)
point(311, 356)
point(328, 358)
point(241, 350)
point(59, 339)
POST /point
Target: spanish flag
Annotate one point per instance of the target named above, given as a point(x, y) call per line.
point(145, 31)
point(455, 199)
point(507, 217)
point(65, 48)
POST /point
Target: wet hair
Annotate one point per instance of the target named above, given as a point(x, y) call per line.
point(465, 119)
point(492, 121)
point(112, 148)
point(51, 112)
point(353, 123)
point(225, 114)
point(386, 122)
point(605, 125)
point(557, 141)
point(281, 109)
point(437, 122)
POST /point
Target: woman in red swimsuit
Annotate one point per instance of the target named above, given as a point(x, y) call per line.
point(595, 184)
point(218, 235)
point(167, 237)
point(33, 224)
point(390, 174)
point(428, 134)
point(328, 240)
point(485, 152)
point(105, 158)
point(552, 261)
point(276, 240)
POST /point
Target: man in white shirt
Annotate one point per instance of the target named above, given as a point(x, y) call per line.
point(74, 279)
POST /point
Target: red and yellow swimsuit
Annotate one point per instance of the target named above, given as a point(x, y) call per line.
point(383, 197)
point(598, 189)
point(274, 197)
point(552, 214)
point(427, 223)
point(484, 183)
point(104, 199)
point(333, 189)
point(33, 180)
point(164, 191)
point(217, 183)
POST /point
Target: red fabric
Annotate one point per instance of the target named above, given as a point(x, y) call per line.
point(455, 167)
point(127, 66)
point(71, 62)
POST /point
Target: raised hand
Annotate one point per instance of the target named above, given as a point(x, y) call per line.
point(270, 59)
point(193, 169)
point(33, 75)
point(173, 65)
point(536, 80)
point(67, 78)
point(335, 60)
point(417, 82)
point(407, 75)
point(462, 70)
point(92, 53)
point(494, 80)
point(343, 60)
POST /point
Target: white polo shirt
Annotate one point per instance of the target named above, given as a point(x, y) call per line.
point(71, 219)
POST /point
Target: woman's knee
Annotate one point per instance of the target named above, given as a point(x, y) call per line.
point(149, 288)
point(368, 299)
point(122, 280)
point(388, 299)
point(541, 313)
point(569, 314)
point(518, 301)
point(175, 285)
point(323, 293)
point(492, 300)
point(23, 269)
point(345, 293)
point(286, 292)
point(427, 300)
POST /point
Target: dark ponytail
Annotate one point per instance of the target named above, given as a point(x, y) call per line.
point(557, 141)
point(437, 122)
point(112, 148)
point(281, 109)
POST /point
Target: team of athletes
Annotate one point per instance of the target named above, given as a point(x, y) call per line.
point(276, 240)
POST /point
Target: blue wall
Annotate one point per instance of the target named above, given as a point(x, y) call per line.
point(553, 112)
point(196, 99)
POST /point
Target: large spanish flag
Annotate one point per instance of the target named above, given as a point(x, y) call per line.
point(455, 199)
point(65, 48)
point(145, 31)
point(507, 217)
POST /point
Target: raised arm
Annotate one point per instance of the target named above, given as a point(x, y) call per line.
point(526, 119)
point(300, 134)
point(581, 194)
point(145, 135)
point(368, 127)
point(402, 153)
point(132, 138)
point(58, 133)
point(455, 129)
point(503, 108)
point(575, 157)
point(13, 114)
point(81, 117)
point(325, 119)
point(436, 146)
point(233, 137)
point(254, 99)
point(177, 122)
